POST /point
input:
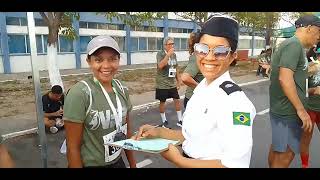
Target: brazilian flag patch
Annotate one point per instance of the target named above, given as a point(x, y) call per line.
point(241, 118)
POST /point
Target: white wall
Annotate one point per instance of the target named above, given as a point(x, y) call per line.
point(23, 63)
point(143, 57)
point(146, 34)
point(179, 35)
point(1, 65)
point(20, 64)
point(182, 55)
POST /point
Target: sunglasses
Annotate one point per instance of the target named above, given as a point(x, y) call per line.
point(219, 52)
point(170, 44)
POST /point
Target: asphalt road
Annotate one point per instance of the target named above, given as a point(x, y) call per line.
point(26, 153)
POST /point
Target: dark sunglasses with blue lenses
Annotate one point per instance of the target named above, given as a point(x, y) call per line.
point(219, 52)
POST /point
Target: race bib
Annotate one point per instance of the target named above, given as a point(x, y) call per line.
point(111, 152)
point(172, 72)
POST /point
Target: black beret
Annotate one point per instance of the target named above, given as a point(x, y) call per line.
point(222, 26)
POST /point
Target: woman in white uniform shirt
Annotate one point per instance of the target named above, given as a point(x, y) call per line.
point(217, 123)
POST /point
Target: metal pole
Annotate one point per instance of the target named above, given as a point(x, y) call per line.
point(37, 88)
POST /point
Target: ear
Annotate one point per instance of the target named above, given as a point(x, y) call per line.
point(233, 57)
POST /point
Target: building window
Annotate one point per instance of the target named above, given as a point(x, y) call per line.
point(159, 43)
point(152, 45)
point(121, 42)
point(84, 40)
point(102, 26)
point(39, 22)
point(18, 44)
point(16, 21)
point(83, 24)
point(42, 41)
point(177, 44)
point(244, 44)
point(134, 43)
point(183, 45)
point(260, 43)
point(92, 25)
point(142, 44)
point(65, 45)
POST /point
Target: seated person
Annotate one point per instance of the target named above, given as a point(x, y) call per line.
point(52, 106)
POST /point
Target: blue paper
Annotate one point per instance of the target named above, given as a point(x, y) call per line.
point(154, 145)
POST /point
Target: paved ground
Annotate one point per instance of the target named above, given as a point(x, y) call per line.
point(26, 152)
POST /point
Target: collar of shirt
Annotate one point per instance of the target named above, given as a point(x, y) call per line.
point(216, 83)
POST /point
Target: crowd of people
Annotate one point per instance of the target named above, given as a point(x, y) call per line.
point(96, 110)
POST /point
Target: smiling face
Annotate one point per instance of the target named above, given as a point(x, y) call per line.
point(210, 67)
point(104, 64)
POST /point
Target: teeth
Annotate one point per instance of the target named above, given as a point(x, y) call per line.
point(106, 72)
point(209, 66)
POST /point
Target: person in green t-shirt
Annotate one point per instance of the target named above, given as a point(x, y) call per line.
point(96, 111)
point(168, 80)
point(287, 92)
point(191, 75)
point(313, 105)
point(5, 158)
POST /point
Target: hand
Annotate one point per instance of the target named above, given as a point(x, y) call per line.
point(170, 52)
point(306, 120)
point(51, 123)
point(147, 131)
point(178, 85)
point(172, 154)
point(317, 91)
point(59, 112)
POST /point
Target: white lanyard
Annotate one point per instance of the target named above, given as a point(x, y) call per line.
point(117, 115)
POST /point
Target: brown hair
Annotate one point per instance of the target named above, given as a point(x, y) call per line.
point(193, 38)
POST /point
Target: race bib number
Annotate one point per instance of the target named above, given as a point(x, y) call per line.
point(172, 72)
point(111, 152)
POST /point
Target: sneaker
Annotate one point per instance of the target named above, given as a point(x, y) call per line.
point(53, 129)
point(179, 123)
point(165, 124)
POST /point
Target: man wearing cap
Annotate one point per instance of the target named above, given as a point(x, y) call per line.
point(288, 92)
point(168, 80)
point(313, 102)
point(217, 124)
point(96, 111)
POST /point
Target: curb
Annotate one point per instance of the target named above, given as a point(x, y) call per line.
point(135, 108)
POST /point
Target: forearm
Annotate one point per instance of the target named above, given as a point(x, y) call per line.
point(171, 134)
point(49, 114)
point(5, 158)
point(130, 157)
point(74, 158)
point(289, 89)
point(183, 162)
point(163, 62)
point(188, 80)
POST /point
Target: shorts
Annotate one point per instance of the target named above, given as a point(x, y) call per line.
point(315, 116)
point(285, 132)
point(164, 94)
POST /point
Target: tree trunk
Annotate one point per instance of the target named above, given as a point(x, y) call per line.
point(53, 70)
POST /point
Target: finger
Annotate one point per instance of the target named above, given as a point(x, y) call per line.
point(142, 129)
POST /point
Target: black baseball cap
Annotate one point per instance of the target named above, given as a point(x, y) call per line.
point(307, 20)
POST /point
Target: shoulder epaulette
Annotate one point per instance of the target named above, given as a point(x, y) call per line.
point(230, 87)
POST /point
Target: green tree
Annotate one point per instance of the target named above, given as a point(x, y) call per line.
point(197, 17)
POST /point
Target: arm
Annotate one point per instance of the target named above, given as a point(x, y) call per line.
point(314, 90)
point(288, 86)
point(178, 78)
point(74, 132)
point(57, 113)
point(148, 131)
point(163, 63)
point(129, 154)
point(188, 80)
point(5, 158)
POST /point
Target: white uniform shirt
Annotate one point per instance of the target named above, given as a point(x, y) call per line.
point(211, 125)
